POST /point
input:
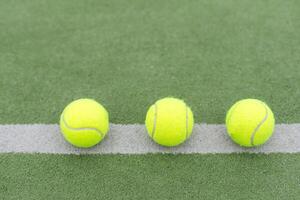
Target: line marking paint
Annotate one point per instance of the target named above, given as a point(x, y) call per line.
point(133, 139)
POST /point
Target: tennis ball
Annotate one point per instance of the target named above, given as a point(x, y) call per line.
point(250, 122)
point(169, 122)
point(84, 123)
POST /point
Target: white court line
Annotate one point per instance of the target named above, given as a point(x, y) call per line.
point(133, 139)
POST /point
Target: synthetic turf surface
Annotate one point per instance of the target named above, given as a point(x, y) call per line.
point(127, 54)
point(246, 176)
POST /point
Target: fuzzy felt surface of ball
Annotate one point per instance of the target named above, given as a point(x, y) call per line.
point(250, 122)
point(169, 122)
point(84, 123)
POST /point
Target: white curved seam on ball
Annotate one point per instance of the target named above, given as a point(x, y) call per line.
point(187, 122)
point(258, 126)
point(154, 122)
point(83, 128)
point(229, 117)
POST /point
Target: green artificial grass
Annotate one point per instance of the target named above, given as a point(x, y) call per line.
point(128, 54)
point(235, 176)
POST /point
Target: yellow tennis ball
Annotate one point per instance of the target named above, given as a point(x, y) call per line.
point(250, 122)
point(84, 123)
point(169, 122)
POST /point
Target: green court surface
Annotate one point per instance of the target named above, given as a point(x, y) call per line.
point(127, 54)
point(235, 176)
